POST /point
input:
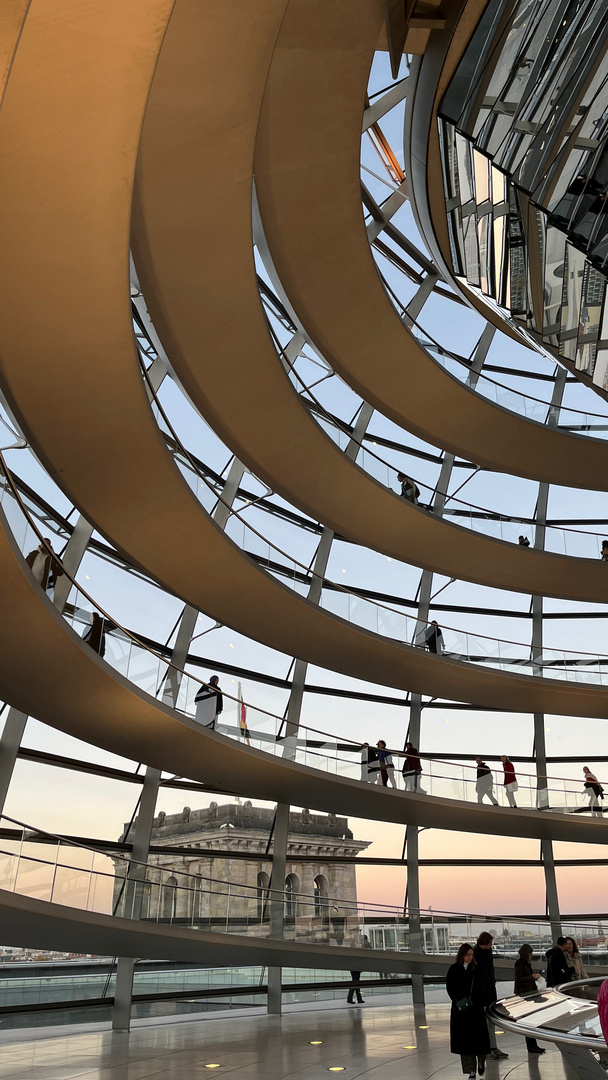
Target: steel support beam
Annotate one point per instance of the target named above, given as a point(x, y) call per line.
point(121, 1013)
point(294, 708)
point(540, 747)
point(277, 903)
point(426, 584)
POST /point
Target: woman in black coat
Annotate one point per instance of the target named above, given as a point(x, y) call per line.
point(468, 1029)
point(525, 983)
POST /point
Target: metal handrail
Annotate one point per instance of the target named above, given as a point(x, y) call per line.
point(327, 736)
point(310, 572)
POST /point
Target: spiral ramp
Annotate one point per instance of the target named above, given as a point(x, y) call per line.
point(68, 365)
point(196, 267)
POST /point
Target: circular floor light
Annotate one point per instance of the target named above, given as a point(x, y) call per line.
point(412, 1046)
point(316, 1042)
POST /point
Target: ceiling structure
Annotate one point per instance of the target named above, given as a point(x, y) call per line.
point(314, 308)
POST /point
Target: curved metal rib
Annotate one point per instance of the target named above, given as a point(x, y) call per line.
point(307, 181)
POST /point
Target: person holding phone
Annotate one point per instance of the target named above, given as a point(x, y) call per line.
point(525, 983)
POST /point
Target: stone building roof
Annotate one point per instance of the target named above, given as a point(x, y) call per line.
point(245, 817)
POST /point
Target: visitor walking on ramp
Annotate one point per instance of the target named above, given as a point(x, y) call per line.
point(386, 773)
point(433, 638)
point(209, 703)
point(412, 769)
point(511, 784)
point(594, 790)
point(409, 490)
point(485, 782)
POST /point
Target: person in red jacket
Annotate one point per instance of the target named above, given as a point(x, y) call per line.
point(511, 784)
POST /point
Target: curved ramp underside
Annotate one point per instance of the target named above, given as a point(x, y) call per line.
point(103, 708)
point(68, 361)
point(43, 925)
point(197, 273)
point(308, 186)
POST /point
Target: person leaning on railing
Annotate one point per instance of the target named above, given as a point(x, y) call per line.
point(525, 983)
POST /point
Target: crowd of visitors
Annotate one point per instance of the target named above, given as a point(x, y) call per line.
point(378, 767)
point(377, 764)
point(471, 986)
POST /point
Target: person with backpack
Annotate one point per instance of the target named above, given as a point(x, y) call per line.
point(594, 790)
point(409, 490)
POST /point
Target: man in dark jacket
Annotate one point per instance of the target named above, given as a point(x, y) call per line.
point(484, 984)
point(557, 965)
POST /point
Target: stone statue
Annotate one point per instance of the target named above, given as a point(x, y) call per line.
point(186, 813)
point(248, 808)
point(306, 817)
point(161, 819)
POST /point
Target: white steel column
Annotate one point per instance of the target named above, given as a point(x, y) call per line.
point(123, 997)
point(540, 749)
point(426, 583)
point(294, 709)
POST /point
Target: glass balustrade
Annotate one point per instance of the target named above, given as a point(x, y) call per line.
point(53, 869)
point(317, 749)
point(577, 543)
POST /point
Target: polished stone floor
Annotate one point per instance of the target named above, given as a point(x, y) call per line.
point(376, 1041)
